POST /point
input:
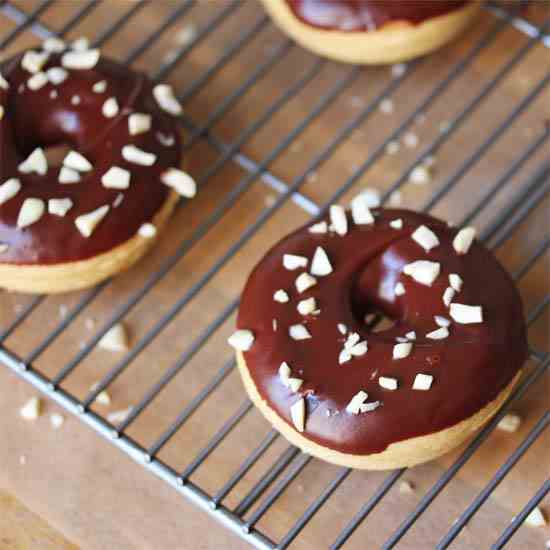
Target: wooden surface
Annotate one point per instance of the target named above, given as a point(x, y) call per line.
point(97, 496)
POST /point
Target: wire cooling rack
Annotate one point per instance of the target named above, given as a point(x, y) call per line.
point(275, 135)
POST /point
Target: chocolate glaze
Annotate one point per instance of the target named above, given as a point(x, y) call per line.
point(33, 119)
point(470, 367)
point(368, 15)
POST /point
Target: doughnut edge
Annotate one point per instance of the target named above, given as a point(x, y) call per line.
point(396, 42)
point(409, 452)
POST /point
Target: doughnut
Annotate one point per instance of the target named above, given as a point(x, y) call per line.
point(372, 31)
point(70, 224)
point(337, 388)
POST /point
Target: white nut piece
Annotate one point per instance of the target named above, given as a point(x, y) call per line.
point(371, 196)
point(344, 356)
point(425, 237)
point(338, 219)
point(442, 321)
point(164, 96)
point(99, 87)
point(399, 289)
point(509, 423)
point(307, 306)
point(360, 210)
point(411, 335)
point(53, 44)
point(135, 155)
point(180, 181)
point(420, 175)
point(57, 75)
point(110, 108)
point(423, 271)
point(241, 340)
point(59, 207)
point(34, 61)
point(56, 420)
point(422, 382)
point(31, 211)
point(115, 339)
point(116, 417)
point(80, 59)
point(465, 314)
point(455, 281)
point(86, 223)
point(37, 81)
point(31, 409)
point(535, 518)
point(147, 230)
point(318, 228)
point(292, 261)
point(284, 373)
point(464, 239)
point(396, 224)
point(139, 123)
point(438, 334)
point(68, 175)
point(320, 264)
point(354, 406)
point(36, 162)
point(304, 282)
point(4, 85)
point(448, 296)
point(81, 44)
point(116, 178)
point(9, 189)
point(281, 296)
point(77, 162)
point(406, 487)
point(298, 414)
point(402, 350)
point(299, 332)
point(387, 383)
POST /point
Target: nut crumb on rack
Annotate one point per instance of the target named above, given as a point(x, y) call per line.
point(535, 518)
point(410, 139)
point(395, 199)
point(147, 230)
point(116, 417)
point(56, 420)
point(399, 69)
point(386, 106)
point(115, 339)
point(32, 409)
point(510, 422)
point(406, 487)
point(420, 175)
point(392, 148)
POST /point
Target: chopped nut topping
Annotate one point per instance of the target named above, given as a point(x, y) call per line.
point(425, 237)
point(164, 96)
point(422, 382)
point(343, 329)
point(284, 373)
point(116, 178)
point(77, 162)
point(351, 340)
point(360, 211)
point(110, 108)
point(455, 281)
point(34, 61)
point(354, 406)
point(465, 314)
point(119, 416)
point(320, 264)
point(75, 100)
point(396, 224)
point(307, 306)
point(392, 148)
point(36, 162)
point(241, 340)
point(535, 518)
point(135, 155)
point(338, 219)
point(406, 487)
point(399, 289)
point(358, 349)
point(53, 44)
point(139, 123)
point(411, 335)
point(180, 181)
point(402, 350)
point(56, 420)
point(81, 44)
point(304, 281)
point(37, 81)
point(387, 383)
point(386, 106)
point(344, 356)
point(9, 189)
point(274, 324)
point(103, 398)
point(410, 140)
point(295, 384)
point(57, 75)
point(448, 296)
point(118, 200)
point(99, 87)
point(423, 271)
point(3, 83)
point(115, 339)
point(509, 423)
point(31, 409)
point(80, 60)
point(441, 321)
point(464, 239)
point(298, 332)
point(298, 414)
point(318, 228)
point(147, 231)
point(86, 223)
point(31, 211)
point(59, 207)
point(281, 296)
point(439, 334)
point(68, 175)
point(292, 262)
point(420, 175)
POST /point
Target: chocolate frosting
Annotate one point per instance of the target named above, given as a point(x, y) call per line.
point(470, 367)
point(367, 15)
point(47, 117)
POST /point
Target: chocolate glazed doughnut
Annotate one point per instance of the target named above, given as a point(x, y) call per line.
point(71, 226)
point(387, 399)
point(372, 31)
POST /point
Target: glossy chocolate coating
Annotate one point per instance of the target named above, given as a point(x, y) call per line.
point(470, 367)
point(368, 15)
point(35, 119)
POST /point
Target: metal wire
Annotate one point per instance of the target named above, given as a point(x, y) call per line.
point(290, 463)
